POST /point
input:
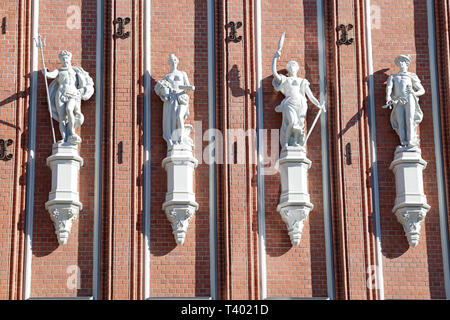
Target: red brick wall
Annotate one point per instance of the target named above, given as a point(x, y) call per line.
point(442, 18)
point(237, 215)
point(14, 68)
point(179, 27)
point(121, 261)
point(409, 273)
point(348, 126)
point(50, 260)
point(293, 271)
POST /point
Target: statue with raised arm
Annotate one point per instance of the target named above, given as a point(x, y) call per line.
point(71, 85)
point(295, 105)
point(172, 90)
point(402, 96)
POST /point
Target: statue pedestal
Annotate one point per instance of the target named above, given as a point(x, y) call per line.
point(411, 205)
point(180, 204)
point(64, 201)
point(295, 204)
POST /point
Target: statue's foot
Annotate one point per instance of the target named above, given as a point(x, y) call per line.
point(74, 139)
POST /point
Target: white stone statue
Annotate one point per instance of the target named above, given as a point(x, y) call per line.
point(172, 90)
point(402, 92)
point(295, 105)
point(402, 95)
point(72, 85)
point(295, 205)
point(180, 164)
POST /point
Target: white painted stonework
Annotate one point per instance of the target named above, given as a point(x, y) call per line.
point(295, 205)
point(411, 205)
point(64, 202)
point(71, 86)
point(180, 204)
point(402, 96)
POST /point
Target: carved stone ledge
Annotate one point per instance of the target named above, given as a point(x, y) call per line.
point(179, 216)
point(411, 218)
point(64, 204)
point(180, 205)
point(295, 217)
point(62, 217)
point(411, 205)
point(295, 204)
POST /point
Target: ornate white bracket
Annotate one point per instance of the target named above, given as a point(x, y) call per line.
point(62, 218)
point(180, 204)
point(64, 203)
point(411, 205)
point(295, 204)
point(295, 217)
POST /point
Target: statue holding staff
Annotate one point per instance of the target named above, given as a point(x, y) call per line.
point(294, 106)
point(71, 85)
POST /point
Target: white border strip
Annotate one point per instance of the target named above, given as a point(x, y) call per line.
point(373, 151)
point(260, 141)
point(147, 147)
point(438, 145)
point(325, 155)
point(212, 166)
point(29, 210)
point(98, 152)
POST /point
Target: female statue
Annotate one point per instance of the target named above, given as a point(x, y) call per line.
point(294, 106)
point(172, 91)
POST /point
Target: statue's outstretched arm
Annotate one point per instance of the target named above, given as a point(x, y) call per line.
point(312, 98)
point(50, 75)
point(274, 66)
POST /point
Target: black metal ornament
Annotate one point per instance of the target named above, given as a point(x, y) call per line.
point(4, 144)
point(120, 31)
point(232, 36)
point(344, 39)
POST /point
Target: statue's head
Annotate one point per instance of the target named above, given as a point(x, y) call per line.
point(292, 67)
point(403, 61)
point(173, 61)
point(65, 57)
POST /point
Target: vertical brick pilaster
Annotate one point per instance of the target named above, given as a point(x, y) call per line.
point(442, 16)
point(123, 148)
point(14, 65)
point(236, 111)
point(354, 243)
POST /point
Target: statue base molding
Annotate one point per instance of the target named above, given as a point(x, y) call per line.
point(180, 204)
point(295, 205)
point(411, 205)
point(64, 201)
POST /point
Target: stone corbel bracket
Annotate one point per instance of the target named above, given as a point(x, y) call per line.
point(295, 204)
point(411, 205)
point(180, 204)
point(64, 202)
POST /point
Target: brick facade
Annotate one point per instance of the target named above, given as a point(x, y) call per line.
point(188, 271)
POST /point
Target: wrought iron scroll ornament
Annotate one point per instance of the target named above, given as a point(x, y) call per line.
point(232, 36)
point(344, 39)
point(4, 144)
point(120, 31)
